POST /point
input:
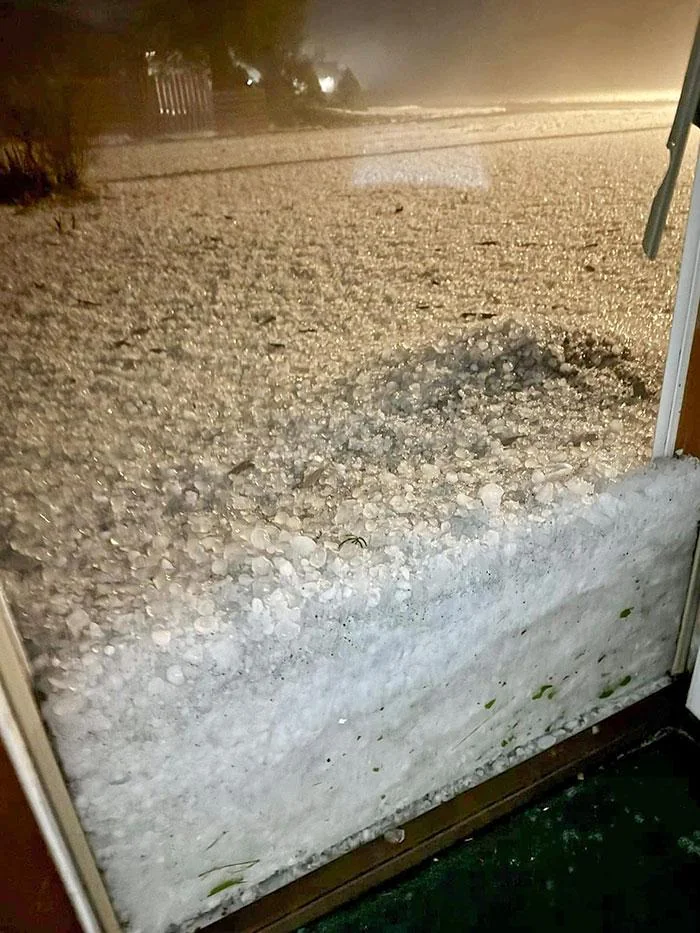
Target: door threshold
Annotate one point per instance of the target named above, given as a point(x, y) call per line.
point(374, 863)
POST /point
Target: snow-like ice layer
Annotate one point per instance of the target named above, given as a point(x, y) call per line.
point(164, 158)
point(273, 737)
point(276, 446)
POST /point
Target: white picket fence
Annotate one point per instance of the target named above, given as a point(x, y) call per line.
point(179, 102)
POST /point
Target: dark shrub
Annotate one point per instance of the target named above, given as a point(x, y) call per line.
point(46, 123)
point(349, 94)
point(22, 177)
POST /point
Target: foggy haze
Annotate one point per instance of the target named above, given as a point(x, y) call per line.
point(448, 50)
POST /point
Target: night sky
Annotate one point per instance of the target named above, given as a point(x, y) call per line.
point(448, 50)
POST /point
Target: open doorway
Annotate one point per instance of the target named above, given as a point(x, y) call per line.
point(327, 472)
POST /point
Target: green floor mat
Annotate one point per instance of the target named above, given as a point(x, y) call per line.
point(618, 851)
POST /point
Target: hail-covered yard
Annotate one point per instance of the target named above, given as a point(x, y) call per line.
point(277, 365)
point(209, 378)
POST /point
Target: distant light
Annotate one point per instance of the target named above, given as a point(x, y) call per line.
point(327, 84)
point(254, 75)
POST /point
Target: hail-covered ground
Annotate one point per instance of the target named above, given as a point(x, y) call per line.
point(227, 383)
point(231, 386)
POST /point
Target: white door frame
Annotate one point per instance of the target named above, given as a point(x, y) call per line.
point(685, 321)
point(693, 701)
point(29, 750)
point(682, 330)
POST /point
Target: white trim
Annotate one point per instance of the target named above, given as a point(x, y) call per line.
point(693, 701)
point(689, 619)
point(29, 749)
point(41, 808)
point(682, 331)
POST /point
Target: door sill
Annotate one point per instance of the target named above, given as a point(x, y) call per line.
point(351, 875)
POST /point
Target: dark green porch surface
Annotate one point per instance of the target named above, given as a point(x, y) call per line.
point(619, 851)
